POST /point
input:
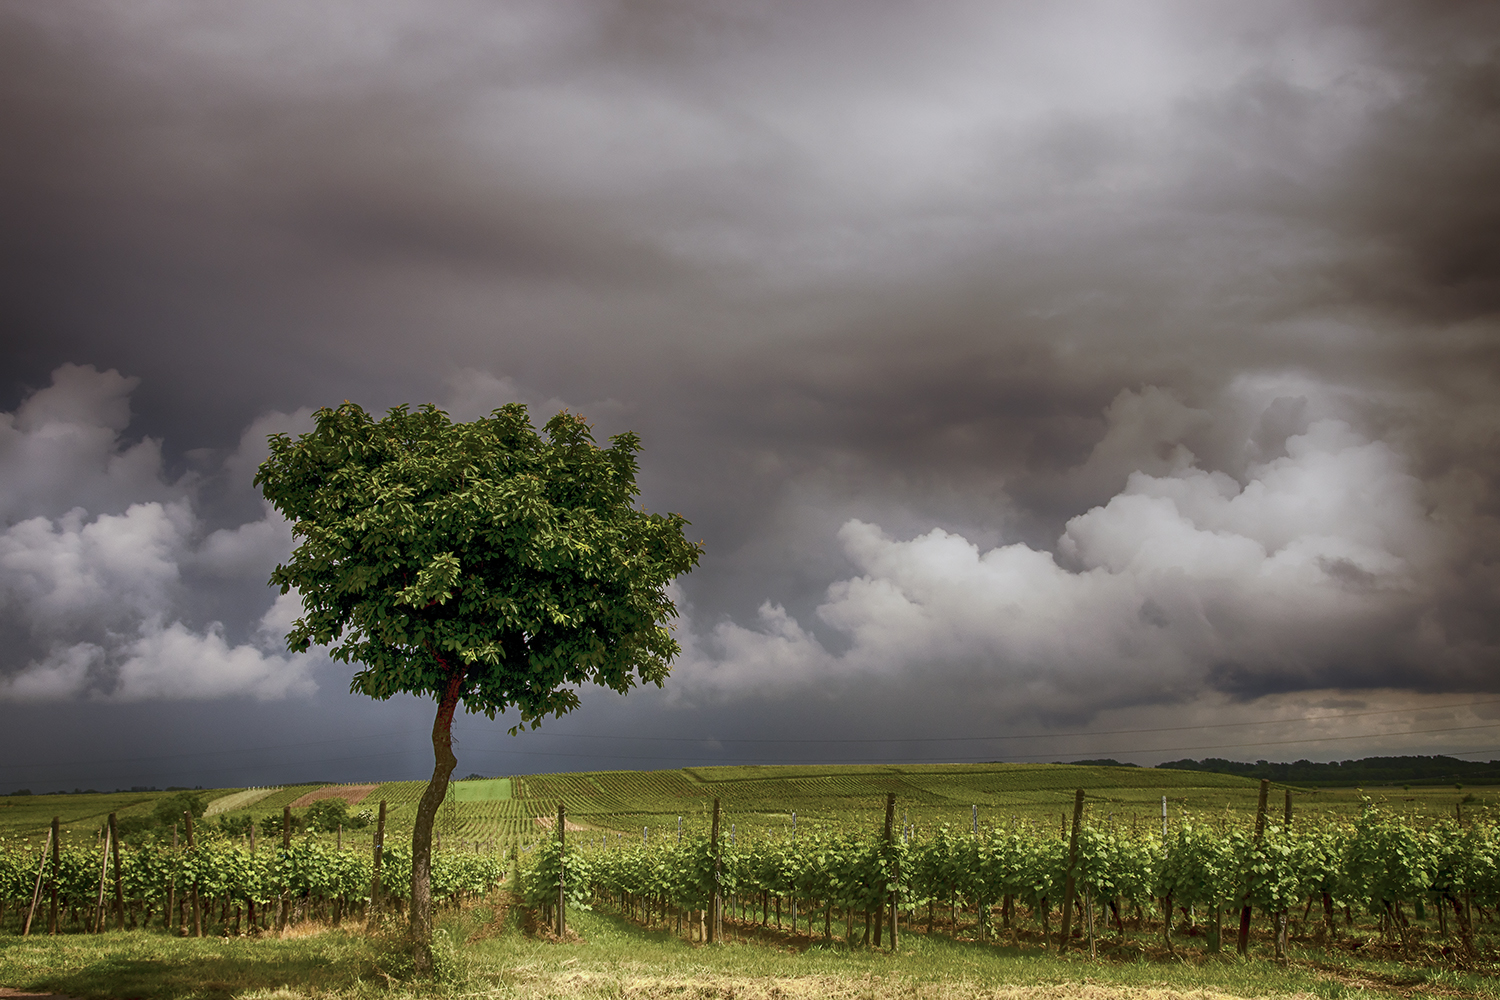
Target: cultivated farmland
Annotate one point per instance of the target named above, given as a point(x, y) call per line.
point(755, 800)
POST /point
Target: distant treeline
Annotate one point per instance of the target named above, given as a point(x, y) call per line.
point(1355, 773)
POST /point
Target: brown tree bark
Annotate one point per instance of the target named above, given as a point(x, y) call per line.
point(421, 836)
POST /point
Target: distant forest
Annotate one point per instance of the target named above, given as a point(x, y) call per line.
point(1355, 773)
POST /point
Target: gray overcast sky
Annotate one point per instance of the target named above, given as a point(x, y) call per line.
point(1045, 380)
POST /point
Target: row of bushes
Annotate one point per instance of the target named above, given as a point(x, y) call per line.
point(1380, 863)
point(321, 878)
point(167, 816)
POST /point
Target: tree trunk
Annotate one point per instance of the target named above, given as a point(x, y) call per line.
point(421, 836)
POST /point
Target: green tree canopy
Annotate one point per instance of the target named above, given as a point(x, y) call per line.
point(480, 563)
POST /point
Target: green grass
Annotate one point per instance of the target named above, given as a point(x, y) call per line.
point(485, 953)
point(492, 790)
point(28, 816)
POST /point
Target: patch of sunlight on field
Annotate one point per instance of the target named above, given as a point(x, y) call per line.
point(239, 800)
point(488, 790)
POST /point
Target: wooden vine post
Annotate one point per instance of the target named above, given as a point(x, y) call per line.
point(562, 857)
point(197, 902)
point(250, 902)
point(166, 919)
point(96, 925)
point(1242, 945)
point(716, 912)
point(114, 836)
point(1068, 886)
point(36, 895)
point(376, 848)
point(283, 911)
point(56, 870)
point(890, 850)
point(1282, 917)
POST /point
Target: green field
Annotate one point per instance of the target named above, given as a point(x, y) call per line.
point(610, 959)
point(760, 799)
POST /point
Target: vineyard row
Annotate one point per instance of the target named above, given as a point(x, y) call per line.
point(1380, 865)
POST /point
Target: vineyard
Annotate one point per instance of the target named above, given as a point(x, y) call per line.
point(1421, 886)
point(217, 886)
point(759, 800)
point(976, 852)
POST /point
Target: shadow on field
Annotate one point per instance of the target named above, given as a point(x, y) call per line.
point(132, 965)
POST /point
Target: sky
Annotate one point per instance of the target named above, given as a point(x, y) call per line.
point(1045, 381)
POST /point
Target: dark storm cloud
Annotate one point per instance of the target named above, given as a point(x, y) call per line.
point(1071, 357)
point(1416, 189)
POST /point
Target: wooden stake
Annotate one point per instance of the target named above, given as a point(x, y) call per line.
point(114, 835)
point(1067, 914)
point(890, 842)
point(1282, 919)
point(715, 926)
point(375, 878)
point(97, 924)
point(1242, 945)
point(36, 895)
point(250, 903)
point(166, 920)
point(197, 902)
point(562, 870)
point(56, 867)
point(284, 904)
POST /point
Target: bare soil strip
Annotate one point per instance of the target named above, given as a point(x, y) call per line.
point(550, 822)
point(352, 794)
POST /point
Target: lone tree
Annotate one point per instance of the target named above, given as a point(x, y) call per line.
point(479, 563)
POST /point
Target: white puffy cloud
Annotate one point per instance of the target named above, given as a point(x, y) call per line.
point(99, 554)
point(63, 570)
point(177, 663)
point(246, 550)
point(1187, 581)
point(62, 449)
point(63, 674)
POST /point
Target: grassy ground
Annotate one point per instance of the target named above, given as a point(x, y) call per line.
point(485, 952)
